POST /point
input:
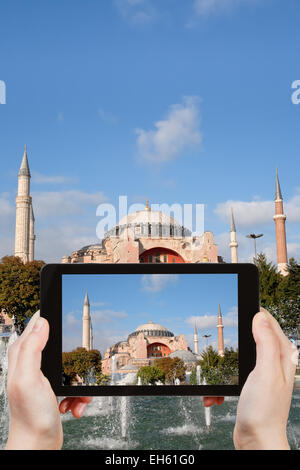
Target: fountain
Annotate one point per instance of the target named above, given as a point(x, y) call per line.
point(4, 414)
point(124, 410)
point(122, 401)
point(207, 410)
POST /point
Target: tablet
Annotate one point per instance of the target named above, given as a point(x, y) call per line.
point(149, 329)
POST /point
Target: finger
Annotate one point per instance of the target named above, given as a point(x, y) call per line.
point(65, 404)
point(13, 350)
point(287, 348)
point(267, 343)
point(30, 352)
point(78, 406)
point(210, 401)
point(285, 342)
point(69, 402)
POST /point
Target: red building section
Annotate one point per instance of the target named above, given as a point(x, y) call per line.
point(160, 255)
point(158, 350)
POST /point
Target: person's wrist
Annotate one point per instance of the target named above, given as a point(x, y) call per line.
point(261, 440)
point(19, 439)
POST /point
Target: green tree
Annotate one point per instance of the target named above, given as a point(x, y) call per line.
point(151, 375)
point(173, 368)
point(102, 379)
point(217, 370)
point(279, 294)
point(20, 289)
point(80, 361)
point(270, 281)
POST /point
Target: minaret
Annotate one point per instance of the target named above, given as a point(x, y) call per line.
point(196, 341)
point(91, 335)
point(220, 327)
point(280, 218)
point(23, 203)
point(233, 243)
point(86, 324)
point(31, 234)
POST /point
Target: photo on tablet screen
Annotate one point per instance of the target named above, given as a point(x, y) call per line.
point(150, 329)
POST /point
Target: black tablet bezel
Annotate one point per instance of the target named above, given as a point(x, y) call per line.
point(51, 309)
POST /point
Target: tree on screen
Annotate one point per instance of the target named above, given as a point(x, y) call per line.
point(19, 289)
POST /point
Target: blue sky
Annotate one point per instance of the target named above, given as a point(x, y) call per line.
point(142, 298)
point(186, 102)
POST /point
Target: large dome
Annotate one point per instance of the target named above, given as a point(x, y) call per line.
point(146, 222)
point(152, 329)
point(148, 216)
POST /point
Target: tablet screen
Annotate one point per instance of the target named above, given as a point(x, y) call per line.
point(149, 329)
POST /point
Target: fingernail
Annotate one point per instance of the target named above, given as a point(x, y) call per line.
point(81, 408)
point(65, 408)
point(264, 320)
point(38, 325)
point(33, 320)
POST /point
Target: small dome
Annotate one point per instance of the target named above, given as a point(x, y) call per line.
point(185, 356)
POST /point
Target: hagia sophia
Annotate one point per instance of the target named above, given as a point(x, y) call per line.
point(145, 236)
point(146, 343)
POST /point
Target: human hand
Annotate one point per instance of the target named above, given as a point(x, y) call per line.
point(265, 400)
point(264, 404)
point(34, 413)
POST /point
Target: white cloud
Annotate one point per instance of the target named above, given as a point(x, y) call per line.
point(246, 214)
point(206, 322)
point(106, 316)
point(107, 117)
point(171, 136)
point(61, 238)
point(257, 212)
point(157, 282)
point(48, 203)
point(136, 11)
point(71, 320)
point(208, 7)
point(266, 245)
point(6, 208)
point(60, 117)
point(38, 178)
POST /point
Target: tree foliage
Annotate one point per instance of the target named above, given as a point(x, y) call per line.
point(279, 294)
point(217, 370)
point(80, 362)
point(20, 288)
point(173, 368)
point(151, 375)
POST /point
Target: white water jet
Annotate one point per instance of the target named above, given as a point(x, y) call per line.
point(139, 382)
point(4, 414)
point(124, 412)
point(207, 410)
point(113, 370)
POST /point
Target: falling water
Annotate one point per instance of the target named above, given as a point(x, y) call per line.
point(124, 411)
point(207, 410)
point(123, 401)
point(4, 408)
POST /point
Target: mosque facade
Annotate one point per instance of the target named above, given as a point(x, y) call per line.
point(146, 343)
point(146, 236)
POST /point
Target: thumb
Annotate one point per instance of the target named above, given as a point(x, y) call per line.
point(266, 339)
point(30, 352)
